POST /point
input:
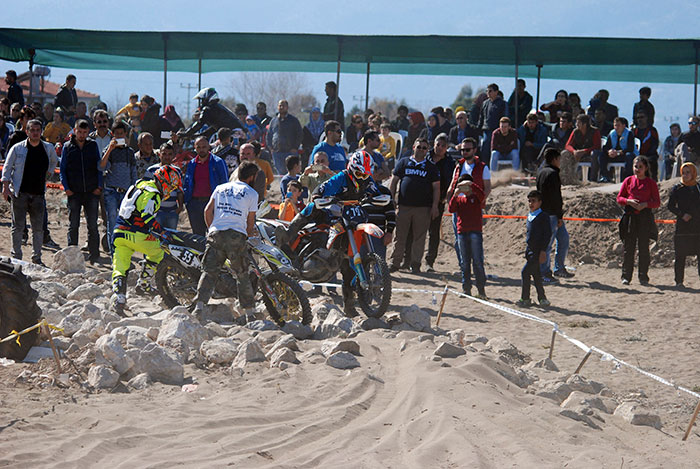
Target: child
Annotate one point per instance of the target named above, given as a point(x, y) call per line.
point(388, 144)
point(466, 203)
point(132, 109)
point(539, 232)
point(293, 164)
point(293, 203)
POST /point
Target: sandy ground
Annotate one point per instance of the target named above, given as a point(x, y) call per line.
point(400, 409)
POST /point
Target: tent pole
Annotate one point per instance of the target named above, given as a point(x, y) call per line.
point(199, 76)
point(539, 75)
point(165, 70)
point(32, 53)
point(337, 81)
point(517, 59)
point(367, 89)
point(695, 88)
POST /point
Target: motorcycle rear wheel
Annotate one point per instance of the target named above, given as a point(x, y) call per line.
point(374, 301)
point(290, 302)
point(175, 284)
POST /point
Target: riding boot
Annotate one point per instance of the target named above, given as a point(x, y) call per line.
point(349, 302)
point(284, 236)
point(145, 282)
point(118, 300)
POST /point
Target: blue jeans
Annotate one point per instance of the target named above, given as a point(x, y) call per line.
point(627, 158)
point(562, 237)
point(454, 227)
point(113, 199)
point(195, 212)
point(471, 247)
point(513, 156)
point(279, 157)
point(167, 219)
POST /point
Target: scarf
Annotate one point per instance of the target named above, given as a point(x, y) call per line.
point(170, 115)
point(315, 126)
point(431, 137)
point(694, 172)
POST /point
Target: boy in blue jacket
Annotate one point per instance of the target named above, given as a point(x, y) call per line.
point(538, 234)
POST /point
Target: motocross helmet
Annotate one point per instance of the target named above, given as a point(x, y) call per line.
point(169, 179)
point(207, 95)
point(360, 166)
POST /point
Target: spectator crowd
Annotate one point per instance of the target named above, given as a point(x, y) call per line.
point(434, 166)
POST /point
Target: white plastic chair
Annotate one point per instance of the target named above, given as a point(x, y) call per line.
point(398, 138)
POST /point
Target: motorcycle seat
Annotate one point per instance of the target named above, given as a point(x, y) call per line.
point(192, 240)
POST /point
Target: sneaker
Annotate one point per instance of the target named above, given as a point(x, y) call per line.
point(467, 291)
point(625, 281)
point(544, 302)
point(198, 310)
point(85, 248)
point(117, 303)
point(51, 244)
point(415, 269)
point(604, 179)
point(563, 273)
point(644, 281)
point(429, 268)
point(482, 295)
point(680, 285)
point(38, 262)
point(393, 268)
point(524, 302)
point(549, 280)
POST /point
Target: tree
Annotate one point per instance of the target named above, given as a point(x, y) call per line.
point(270, 87)
point(465, 97)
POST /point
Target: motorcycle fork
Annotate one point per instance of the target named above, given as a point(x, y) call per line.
point(356, 260)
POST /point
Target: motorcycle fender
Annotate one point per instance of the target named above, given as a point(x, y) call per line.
point(274, 256)
point(371, 229)
point(187, 257)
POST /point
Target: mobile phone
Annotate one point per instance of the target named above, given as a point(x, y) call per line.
point(164, 134)
point(317, 167)
point(289, 194)
point(121, 142)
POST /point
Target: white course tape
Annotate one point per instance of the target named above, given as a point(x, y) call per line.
point(514, 312)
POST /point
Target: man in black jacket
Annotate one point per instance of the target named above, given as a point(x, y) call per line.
point(14, 91)
point(549, 184)
point(82, 181)
point(67, 98)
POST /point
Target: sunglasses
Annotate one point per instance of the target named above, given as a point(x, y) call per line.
point(465, 150)
point(422, 148)
point(337, 131)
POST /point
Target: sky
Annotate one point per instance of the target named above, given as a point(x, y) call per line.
point(594, 18)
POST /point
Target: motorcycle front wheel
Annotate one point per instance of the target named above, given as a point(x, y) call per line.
point(374, 300)
point(176, 285)
point(285, 300)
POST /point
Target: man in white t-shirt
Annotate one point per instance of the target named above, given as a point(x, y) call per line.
point(230, 216)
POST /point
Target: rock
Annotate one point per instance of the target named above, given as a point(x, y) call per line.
point(215, 330)
point(334, 325)
point(131, 336)
point(298, 330)
point(329, 347)
point(86, 358)
point(343, 361)
point(160, 365)
point(145, 322)
point(314, 357)
point(152, 333)
point(218, 313)
point(636, 414)
point(184, 327)
point(81, 339)
point(248, 352)
point(88, 291)
point(266, 338)
point(416, 318)
point(502, 347)
point(553, 389)
point(580, 417)
point(322, 308)
point(179, 350)
point(577, 398)
point(113, 352)
point(373, 323)
point(262, 325)
point(88, 311)
point(545, 363)
point(70, 324)
point(447, 350)
point(221, 350)
point(102, 377)
point(612, 265)
point(93, 329)
point(587, 259)
point(578, 383)
point(140, 381)
point(69, 260)
point(283, 355)
point(618, 249)
point(286, 341)
point(62, 343)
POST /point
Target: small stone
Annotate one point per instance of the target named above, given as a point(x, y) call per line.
point(262, 325)
point(266, 338)
point(140, 381)
point(612, 265)
point(298, 330)
point(578, 383)
point(286, 341)
point(69, 260)
point(435, 358)
point(335, 324)
point(220, 350)
point(185, 327)
point(248, 352)
point(636, 414)
point(87, 357)
point(555, 390)
point(93, 329)
point(343, 361)
point(71, 324)
point(114, 353)
point(447, 350)
point(88, 291)
point(145, 322)
point(587, 259)
point(545, 363)
point(283, 355)
point(373, 323)
point(62, 343)
point(160, 365)
point(215, 329)
point(329, 347)
point(102, 377)
point(501, 346)
point(577, 398)
point(579, 417)
point(416, 318)
point(618, 249)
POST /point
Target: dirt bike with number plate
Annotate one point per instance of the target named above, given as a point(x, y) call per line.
point(270, 269)
point(319, 249)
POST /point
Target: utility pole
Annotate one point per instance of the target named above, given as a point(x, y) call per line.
point(189, 87)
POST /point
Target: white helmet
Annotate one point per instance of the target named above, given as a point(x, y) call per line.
point(207, 95)
point(360, 165)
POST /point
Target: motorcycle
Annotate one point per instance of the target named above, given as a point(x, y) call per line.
point(319, 249)
point(270, 269)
